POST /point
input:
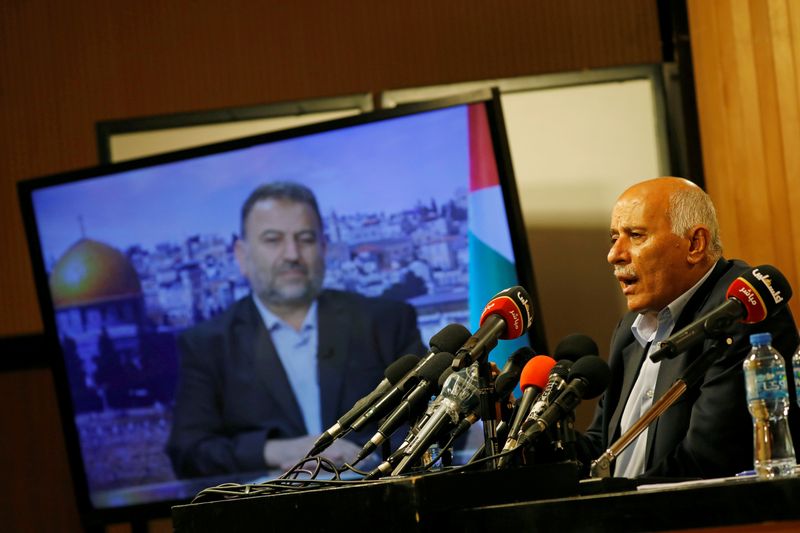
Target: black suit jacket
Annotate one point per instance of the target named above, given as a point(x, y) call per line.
point(233, 393)
point(708, 431)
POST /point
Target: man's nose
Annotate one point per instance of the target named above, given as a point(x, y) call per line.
point(618, 252)
point(291, 250)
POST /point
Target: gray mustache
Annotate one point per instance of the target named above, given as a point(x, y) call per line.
point(627, 271)
point(292, 267)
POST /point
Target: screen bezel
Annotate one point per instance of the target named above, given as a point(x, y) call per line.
point(92, 515)
point(107, 129)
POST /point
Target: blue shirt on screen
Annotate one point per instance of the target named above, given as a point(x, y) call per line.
point(297, 351)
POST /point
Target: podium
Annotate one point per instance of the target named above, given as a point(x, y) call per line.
point(758, 504)
point(540, 498)
point(407, 504)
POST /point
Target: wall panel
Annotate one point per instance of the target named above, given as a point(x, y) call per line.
point(746, 57)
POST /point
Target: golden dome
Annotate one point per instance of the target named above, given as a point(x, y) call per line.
point(91, 272)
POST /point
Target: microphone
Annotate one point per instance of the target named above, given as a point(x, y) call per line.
point(412, 403)
point(567, 351)
point(751, 298)
point(533, 381)
point(459, 397)
point(507, 316)
point(467, 422)
point(444, 376)
point(575, 346)
point(555, 383)
point(588, 378)
point(509, 375)
point(389, 463)
point(393, 374)
point(447, 340)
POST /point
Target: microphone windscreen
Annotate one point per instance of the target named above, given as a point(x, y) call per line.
point(575, 346)
point(435, 366)
point(562, 368)
point(536, 372)
point(505, 383)
point(444, 376)
point(594, 372)
point(513, 305)
point(520, 357)
point(509, 375)
point(450, 338)
point(400, 368)
point(762, 290)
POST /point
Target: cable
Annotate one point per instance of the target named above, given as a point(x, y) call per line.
point(289, 482)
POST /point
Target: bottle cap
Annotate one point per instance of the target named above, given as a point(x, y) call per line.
point(760, 339)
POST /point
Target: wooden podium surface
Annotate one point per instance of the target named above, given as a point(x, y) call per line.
point(541, 498)
point(672, 507)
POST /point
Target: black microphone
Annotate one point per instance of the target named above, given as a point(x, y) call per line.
point(390, 462)
point(467, 422)
point(447, 340)
point(507, 316)
point(588, 378)
point(758, 293)
point(568, 350)
point(393, 374)
point(458, 398)
point(412, 403)
point(509, 375)
point(575, 346)
point(444, 376)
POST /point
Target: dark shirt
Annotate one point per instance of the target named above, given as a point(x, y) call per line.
point(708, 431)
point(233, 393)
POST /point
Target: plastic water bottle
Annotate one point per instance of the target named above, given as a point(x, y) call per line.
point(768, 402)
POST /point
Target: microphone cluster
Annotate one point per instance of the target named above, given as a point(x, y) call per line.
point(566, 383)
point(441, 395)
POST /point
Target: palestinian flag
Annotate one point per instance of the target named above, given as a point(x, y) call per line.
point(491, 256)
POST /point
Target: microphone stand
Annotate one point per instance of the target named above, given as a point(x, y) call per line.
point(566, 438)
point(601, 467)
point(486, 392)
point(486, 396)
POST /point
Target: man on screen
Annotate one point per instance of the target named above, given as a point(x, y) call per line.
point(667, 256)
point(261, 381)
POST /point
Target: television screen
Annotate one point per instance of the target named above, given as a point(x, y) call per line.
point(417, 204)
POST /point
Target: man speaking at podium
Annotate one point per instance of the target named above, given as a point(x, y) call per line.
point(259, 382)
point(667, 257)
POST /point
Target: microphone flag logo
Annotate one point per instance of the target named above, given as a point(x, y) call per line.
point(742, 290)
point(764, 278)
point(507, 308)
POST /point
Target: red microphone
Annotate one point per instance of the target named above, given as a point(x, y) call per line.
point(762, 291)
point(532, 382)
point(758, 293)
point(507, 316)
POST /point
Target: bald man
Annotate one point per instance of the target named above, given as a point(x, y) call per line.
point(667, 257)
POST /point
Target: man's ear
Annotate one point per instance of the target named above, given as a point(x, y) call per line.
point(699, 239)
point(240, 252)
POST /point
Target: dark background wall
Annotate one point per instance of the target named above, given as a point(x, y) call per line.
point(64, 66)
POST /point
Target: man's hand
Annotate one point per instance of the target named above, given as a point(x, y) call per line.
point(286, 453)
